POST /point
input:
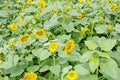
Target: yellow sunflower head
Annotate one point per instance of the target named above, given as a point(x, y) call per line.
point(23, 38)
point(113, 6)
point(40, 32)
point(53, 46)
point(42, 4)
point(68, 9)
point(13, 26)
point(72, 75)
point(30, 76)
point(69, 46)
point(109, 27)
point(10, 43)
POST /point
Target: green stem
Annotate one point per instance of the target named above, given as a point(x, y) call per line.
point(97, 72)
point(54, 64)
point(39, 61)
point(39, 64)
point(92, 29)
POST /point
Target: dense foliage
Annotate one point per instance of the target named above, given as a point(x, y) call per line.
point(59, 40)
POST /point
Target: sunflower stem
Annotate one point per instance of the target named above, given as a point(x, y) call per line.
point(54, 64)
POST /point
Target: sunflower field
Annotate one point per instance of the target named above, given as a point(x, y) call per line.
point(59, 40)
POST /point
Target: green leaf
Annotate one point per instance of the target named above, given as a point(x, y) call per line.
point(91, 45)
point(87, 77)
point(68, 27)
point(3, 13)
point(52, 22)
point(117, 28)
point(16, 59)
point(29, 57)
point(43, 69)
point(86, 56)
point(81, 70)
point(100, 29)
point(30, 9)
point(65, 70)
point(104, 54)
point(55, 69)
point(30, 41)
point(74, 56)
point(33, 68)
point(41, 78)
point(63, 38)
point(17, 73)
point(94, 63)
point(43, 39)
point(107, 44)
point(41, 53)
point(116, 55)
point(110, 68)
point(74, 13)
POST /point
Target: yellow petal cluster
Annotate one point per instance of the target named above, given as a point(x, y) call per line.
point(72, 75)
point(40, 32)
point(113, 6)
point(30, 1)
point(30, 76)
point(68, 9)
point(10, 43)
point(109, 27)
point(69, 46)
point(89, 2)
point(23, 38)
point(13, 26)
point(80, 16)
point(80, 1)
point(42, 4)
point(53, 46)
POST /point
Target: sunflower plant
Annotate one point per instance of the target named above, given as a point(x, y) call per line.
point(59, 39)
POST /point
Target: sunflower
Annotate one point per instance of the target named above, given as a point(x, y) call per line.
point(69, 46)
point(53, 46)
point(72, 75)
point(30, 76)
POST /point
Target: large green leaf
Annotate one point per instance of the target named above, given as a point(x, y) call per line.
point(91, 45)
point(104, 54)
point(107, 44)
point(43, 39)
point(41, 53)
point(81, 70)
point(44, 68)
point(87, 77)
point(110, 68)
point(33, 68)
point(100, 29)
point(52, 22)
point(65, 70)
point(94, 62)
point(117, 28)
point(17, 73)
point(68, 27)
point(86, 56)
point(55, 69)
